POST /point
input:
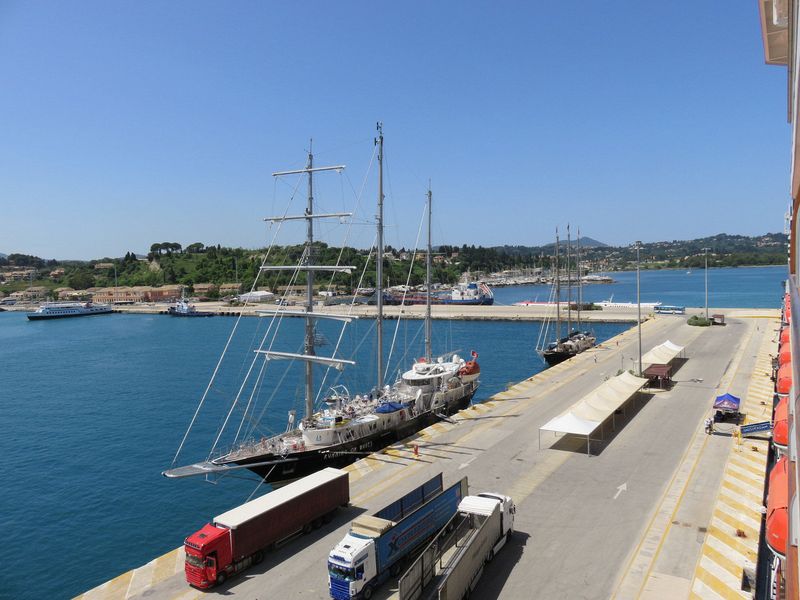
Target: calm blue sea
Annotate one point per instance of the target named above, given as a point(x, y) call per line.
point(94, 409)
point(742, 287)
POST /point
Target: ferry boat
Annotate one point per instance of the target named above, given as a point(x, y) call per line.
point(611, 304)
point(183, 309)
point(61, 310)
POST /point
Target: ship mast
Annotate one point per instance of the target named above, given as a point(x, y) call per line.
point(558, 294)
point(569, 285)
point(308, 343)
point(428, 353)
point(379, 262)
point(580, 283)
point(307, 265)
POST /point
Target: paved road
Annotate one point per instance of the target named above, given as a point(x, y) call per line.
point(577, 531)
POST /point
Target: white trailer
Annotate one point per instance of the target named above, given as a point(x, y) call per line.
point(450, 567)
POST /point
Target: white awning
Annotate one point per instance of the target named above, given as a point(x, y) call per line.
point(588, 413)
point(661, 354)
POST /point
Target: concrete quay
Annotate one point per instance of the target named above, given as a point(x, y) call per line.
point(639, 518)
point(495, 312)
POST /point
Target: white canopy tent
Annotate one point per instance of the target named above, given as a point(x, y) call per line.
point(661, 354)
point(590, 412)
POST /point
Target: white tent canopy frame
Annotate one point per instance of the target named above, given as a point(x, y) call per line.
point(662, 354)
point(590, 412)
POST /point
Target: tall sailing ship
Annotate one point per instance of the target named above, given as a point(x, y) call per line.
point(348, 426)
point(576, 341)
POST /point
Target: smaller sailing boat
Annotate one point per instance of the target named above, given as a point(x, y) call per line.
point(576, 341)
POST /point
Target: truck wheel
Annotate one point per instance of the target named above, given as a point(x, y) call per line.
point(395, 569)
point(221, 577)
point(328, 517)
point(307, 528)
point(366, 593)
point(508, 535)
point(317, 523)
point(258, 557)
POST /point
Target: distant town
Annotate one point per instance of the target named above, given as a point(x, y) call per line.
point(170, 270)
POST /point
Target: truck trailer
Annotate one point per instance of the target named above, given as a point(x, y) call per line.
point(450, 567)
point(238, 538)
point(378, 545)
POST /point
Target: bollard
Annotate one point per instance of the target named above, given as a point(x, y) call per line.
point(416, 451)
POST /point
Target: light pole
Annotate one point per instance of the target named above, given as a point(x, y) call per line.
point(639, 306)
point(705, 250)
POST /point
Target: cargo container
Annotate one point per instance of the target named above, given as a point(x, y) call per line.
point(450, 567)
point(379, 545)
point(238, 538)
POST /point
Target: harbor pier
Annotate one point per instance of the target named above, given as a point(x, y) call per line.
point(646, 515)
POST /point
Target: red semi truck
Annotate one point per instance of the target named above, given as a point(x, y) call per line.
point(238, 538)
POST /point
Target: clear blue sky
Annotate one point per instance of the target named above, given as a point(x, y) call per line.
point(127, 123)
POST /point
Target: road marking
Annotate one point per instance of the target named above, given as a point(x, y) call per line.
point(733, 533)
point(620, 489)
point(638, 570)
point(466, 464)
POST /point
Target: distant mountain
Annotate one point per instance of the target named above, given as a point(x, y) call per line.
point(586, 243)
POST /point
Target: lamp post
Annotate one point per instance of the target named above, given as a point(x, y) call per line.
point(639, 306)
point(705, 250)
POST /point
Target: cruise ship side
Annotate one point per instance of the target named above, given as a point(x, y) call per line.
point(779, 29)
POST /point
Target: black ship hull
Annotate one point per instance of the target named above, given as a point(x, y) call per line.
point(555, 357)
point(174, 313)
point(275, 468)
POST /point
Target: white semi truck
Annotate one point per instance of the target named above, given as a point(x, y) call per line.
point(451, 565)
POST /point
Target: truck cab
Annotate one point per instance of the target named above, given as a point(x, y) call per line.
point(508, 507)
point(208, 551)
point(351, 564)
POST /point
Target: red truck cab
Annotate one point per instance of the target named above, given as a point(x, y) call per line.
point(208, 552)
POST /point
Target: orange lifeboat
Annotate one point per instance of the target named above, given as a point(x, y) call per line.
point(780, 425)
point(784, 339)
point(471, 369)
point(784, 380)
point(785, 355)
point(778, 508)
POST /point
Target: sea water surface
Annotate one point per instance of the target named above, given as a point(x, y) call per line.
point(735, 287)
point(93, 409)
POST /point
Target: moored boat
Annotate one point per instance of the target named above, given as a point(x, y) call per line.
point(348, 426)
point(61, 310)
point(576, 341)
point(183, 309)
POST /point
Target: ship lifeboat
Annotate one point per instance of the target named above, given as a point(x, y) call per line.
point(785, 355)
point(471, 369)
point(778, 508)
point(784, 381)
point(784, 339)
point(780, 425)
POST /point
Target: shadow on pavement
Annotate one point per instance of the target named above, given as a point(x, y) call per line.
point(603, 436)
point(495, 573)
